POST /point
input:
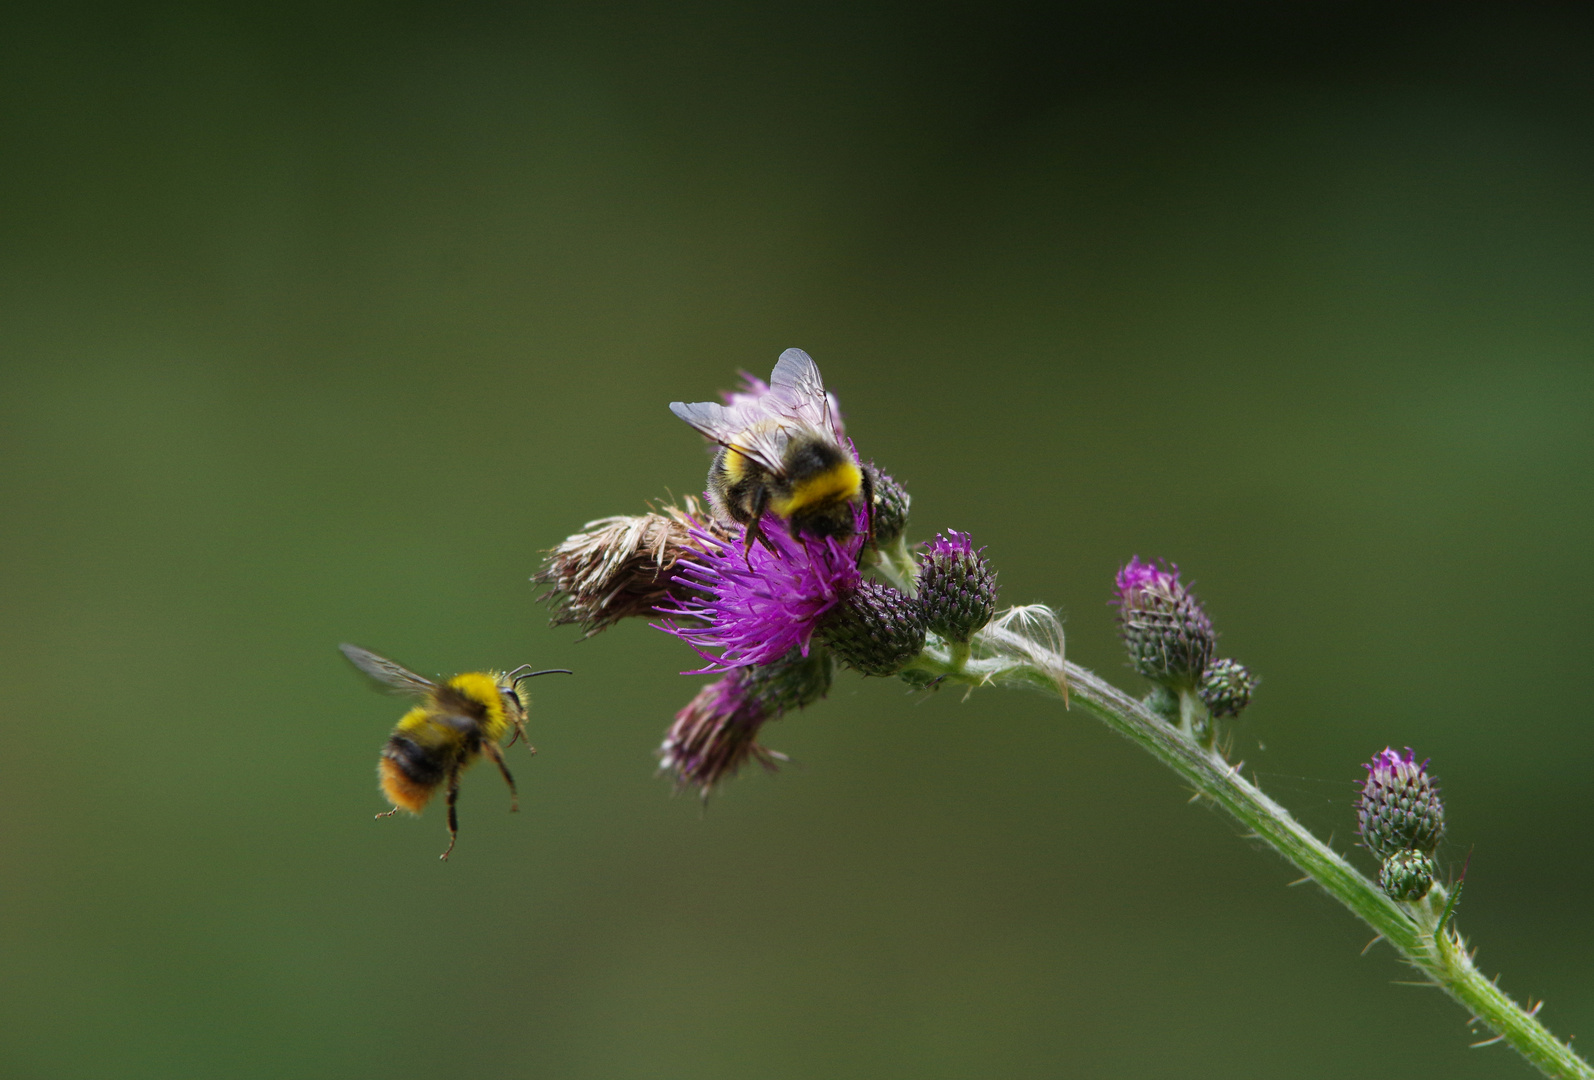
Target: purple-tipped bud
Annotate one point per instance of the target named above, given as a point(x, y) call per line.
point(875, 629)
point(717, 733)
point(1169, 637)
point(1226, 688)
point(957, 589)
point(891, 502)
point(1399, 808)
point(1407, 875)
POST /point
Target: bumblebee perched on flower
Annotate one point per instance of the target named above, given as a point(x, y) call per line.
point(456, 722)
point(782, 450)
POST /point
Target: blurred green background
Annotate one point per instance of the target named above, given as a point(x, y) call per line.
point(320, 322)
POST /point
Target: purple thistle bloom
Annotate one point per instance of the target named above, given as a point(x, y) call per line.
point(1169, 637)
point(957, 590)
point(951, 544)
point(752, 389)
point(1138, 578)
point(761, 604)
point(1399, 808)
point(716, 734)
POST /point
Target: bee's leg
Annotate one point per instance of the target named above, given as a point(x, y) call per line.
point(520, 733)
point(453, 815)
point(492, 751)
point(755, 526)
point(388, 813)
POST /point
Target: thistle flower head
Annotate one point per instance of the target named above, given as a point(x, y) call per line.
point(875, 629)
point(1399, 808)
point(891, 503)
point(621, 566)
point(757, 604)
point(1168, 634)
point(957, 588)
point(1227, 687)
point(717, 732)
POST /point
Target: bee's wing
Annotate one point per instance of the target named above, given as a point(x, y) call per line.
point(391, 675)
point(799, 392)
point(456, 721)
point(738, 429)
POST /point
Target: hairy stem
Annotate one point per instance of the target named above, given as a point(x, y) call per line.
point(1006, 657)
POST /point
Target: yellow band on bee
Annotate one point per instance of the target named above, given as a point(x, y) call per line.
point(483, 689)
point(841, 482)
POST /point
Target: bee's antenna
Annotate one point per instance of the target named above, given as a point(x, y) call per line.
point(516, 678)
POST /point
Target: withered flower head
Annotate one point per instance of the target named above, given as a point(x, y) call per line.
point(623, 566)
point(717, 733)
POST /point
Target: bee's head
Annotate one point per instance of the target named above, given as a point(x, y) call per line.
point(513, 706)
point(509, 687)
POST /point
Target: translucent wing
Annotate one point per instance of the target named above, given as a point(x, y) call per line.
point(391, 675)
point(796, 385)
point(714, 421)
point(454, 720)
point(758, 422)
point(749, 429)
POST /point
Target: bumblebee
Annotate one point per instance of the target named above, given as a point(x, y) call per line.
point(782, 451)
point(455, 723)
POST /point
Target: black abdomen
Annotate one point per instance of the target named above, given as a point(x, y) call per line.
point(421, 765)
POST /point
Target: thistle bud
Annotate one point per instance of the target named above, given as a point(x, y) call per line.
point(717, 733)
point(1407, 875)
point(957, 589)
point(622, 566)
point(875, 629)
point(891, 502)
point(1169, 637)
point(1226, 688)
point(1399, 809)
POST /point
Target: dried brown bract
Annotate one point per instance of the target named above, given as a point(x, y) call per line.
point(622, 566)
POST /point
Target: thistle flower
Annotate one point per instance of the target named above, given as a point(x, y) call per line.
point(756, 605)
point(717, 732)
point(1169, 637)
point(1399, 808)
point(957, 588)
point(891, 503)
point(875, 629)
point(1227, 687)
point(622, 566)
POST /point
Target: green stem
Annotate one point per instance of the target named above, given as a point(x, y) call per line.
point(1007, 658)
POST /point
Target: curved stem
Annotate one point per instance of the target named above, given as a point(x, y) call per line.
point(1005, 657)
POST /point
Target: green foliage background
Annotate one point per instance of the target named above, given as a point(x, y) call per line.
point(319, 322)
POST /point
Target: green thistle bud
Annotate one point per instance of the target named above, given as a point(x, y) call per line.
point(1407, 875)
point(891, 502)
point(1169, 637)
point(795, 682)
point(875, 629)
point(1226, 688)
point(956, 587)
point(1399, 809)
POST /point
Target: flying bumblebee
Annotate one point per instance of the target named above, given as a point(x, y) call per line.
point(782, 450)
point(455, 723)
